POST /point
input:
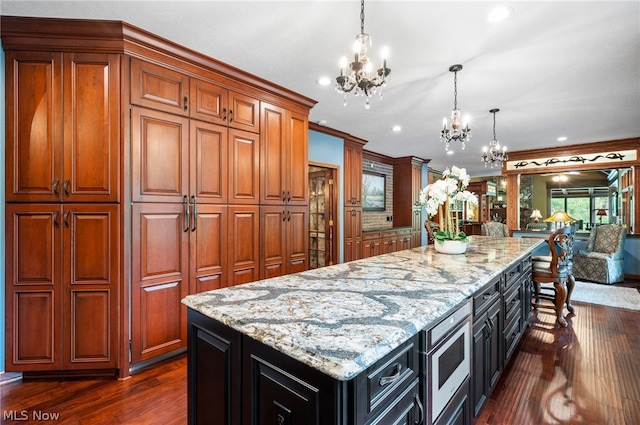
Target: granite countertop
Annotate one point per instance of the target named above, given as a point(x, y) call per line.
point(343, 318)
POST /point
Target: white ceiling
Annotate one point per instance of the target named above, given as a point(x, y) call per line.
point(554, 68)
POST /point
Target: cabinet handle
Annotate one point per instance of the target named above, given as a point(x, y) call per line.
point(195, 212)
point(230, 115)
point(288, 215)
point(284, 196)
point(54, 187)
point(416, 399)
point(186, 213)
point(66, 218)
point(386, 380)
point(65, 187)
point(288, 196)
point(490, 325)
point(284, 215)
point(55, 218)
point(224, 114)
point(280, 419)
point(186, 104)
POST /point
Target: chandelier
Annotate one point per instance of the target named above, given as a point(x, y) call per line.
point(493, 155)
point(359, 78)
point(463, 135)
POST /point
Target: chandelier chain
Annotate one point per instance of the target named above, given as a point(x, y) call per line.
point(455, 90)
point(362, 17)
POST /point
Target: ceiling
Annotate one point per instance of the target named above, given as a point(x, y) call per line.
point(553, 68)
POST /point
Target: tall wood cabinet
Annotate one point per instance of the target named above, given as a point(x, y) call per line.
point(407, 183)
point(135, 176)
point(352, 199)
point(62, 212)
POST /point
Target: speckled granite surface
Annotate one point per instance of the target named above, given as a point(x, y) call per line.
point(343, 318)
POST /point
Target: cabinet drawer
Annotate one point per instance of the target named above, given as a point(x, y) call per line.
point(511, 274)
point(512, 301)
point(526, 264)
point(511, 338)
point(407, 408)
point(368, 236)
point(484, 297)
point(391, 234)
point(387, 378)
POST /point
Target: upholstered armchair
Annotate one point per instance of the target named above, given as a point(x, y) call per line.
point(493, 228)
point(603, 259)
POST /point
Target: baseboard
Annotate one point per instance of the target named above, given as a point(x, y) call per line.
point(629, 276)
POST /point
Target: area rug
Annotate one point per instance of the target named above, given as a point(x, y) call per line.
point(612, 296)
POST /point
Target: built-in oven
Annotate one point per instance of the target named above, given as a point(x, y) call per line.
point(447, 359)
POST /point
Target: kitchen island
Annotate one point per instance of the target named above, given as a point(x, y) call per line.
point(353, 343)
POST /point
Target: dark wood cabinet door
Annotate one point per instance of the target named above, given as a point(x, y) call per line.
point(273, 155)
point(208, 248)
point(159, 156)
point(160, 267)
point(244, 112)
point(244, 168)
point(243, 244)
point(157, 87)
point(352, 234)
point(209, 162)
point(296, 168)
point(91, 127)
point(273, 223)
point(34, 126)
point(91, 276)
point(33, 287)
point(208, 102)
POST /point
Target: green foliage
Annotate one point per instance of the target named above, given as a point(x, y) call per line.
point(441, 236)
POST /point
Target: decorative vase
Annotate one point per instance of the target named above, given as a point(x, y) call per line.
point(450, 247)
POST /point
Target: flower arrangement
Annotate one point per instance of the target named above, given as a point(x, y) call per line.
point(445, 197)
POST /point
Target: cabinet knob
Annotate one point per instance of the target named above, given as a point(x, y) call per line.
point(224, 114)
point(186, 103)
point(231, 115)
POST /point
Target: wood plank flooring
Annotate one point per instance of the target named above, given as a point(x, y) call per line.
point(587, 373)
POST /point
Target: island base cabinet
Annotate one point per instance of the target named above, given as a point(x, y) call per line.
point(458, 412)
point(213, 372)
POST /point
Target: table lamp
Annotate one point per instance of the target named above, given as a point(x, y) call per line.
point(560, 217)
point(601, 213)
point(536, 216)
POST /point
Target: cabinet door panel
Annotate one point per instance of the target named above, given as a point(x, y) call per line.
point(243, 244)
point(33, 126)
point(244, 171)
point(297, 239)
point(273, 243)
point(160, 156)
point(92, 130)
point(33, 287)
point(160, 88)
point(208, 244)
point(91, 276)
point(159, 279)
point(244, 112)
point(273, 155)
point(209, 162)
point(298, 159)
point(208, 102)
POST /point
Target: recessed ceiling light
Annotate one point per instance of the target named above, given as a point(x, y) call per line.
point(449, 152)
point(499, 14)
point(396, 128)
point(321, 122)
point(324, 81)
point(562, 139)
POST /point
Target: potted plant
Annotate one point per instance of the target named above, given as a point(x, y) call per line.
point(447, 198)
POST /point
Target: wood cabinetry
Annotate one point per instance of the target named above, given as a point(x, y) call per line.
point(352, 233)
point(171, 139)
point(407, 183)
point(63, 221)
point(62, 286)
point(376, 242)
point(284, 156)
point(352, 199)
point(284, 236)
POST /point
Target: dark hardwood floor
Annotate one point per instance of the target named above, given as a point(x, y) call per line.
point(587, 373)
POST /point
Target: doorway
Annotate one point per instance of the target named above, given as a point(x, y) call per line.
point(323, 213)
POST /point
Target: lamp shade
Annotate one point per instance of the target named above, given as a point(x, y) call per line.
point(536, 214)
point(601, 212)
point(560, 216)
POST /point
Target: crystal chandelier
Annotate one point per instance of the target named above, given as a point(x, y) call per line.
point(359, 77)
point(463, 135)
point(492, 155)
